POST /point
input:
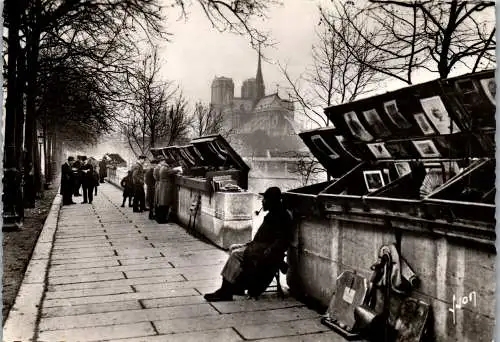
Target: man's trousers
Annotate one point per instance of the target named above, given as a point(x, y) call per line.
point(233, 268)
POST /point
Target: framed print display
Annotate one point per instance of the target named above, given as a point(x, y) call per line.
point(391, 109)
point(356, 127)
point(402, 168)
point(436, 112)
point(426, 149)
point(379, 150)
point(424, 124)
point(323, 147)
point(374, 121)
point(373, 180)
point(490, 89)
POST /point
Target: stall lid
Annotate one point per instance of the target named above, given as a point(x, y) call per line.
point(336, 154)
point(217, 152)
point(190, 155)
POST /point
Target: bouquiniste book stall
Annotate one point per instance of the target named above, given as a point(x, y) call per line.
point(411, 168)
point(212, 195)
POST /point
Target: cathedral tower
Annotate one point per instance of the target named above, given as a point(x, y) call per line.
point(260, 91)
point(222, 91)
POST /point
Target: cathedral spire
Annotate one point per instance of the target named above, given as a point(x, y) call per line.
point(259, 80)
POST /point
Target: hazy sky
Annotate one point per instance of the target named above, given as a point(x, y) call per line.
point(199, 52)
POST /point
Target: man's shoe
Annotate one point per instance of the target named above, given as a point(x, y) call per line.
point(218, 296)
point(122, 205)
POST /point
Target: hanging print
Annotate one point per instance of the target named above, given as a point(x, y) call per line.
point(356, 127)
point(490, 88)
point(379, 151)
point(426, 149)
point(378, 126)
point(424, 124)
point(436, 112)
point(391, 109)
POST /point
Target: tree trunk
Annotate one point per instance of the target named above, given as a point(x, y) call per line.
point(13, 211)
point(30, 127)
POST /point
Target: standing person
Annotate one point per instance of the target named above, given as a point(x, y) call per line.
point(87, 171)
point(67, 182)
point(252, 266)
point(95, 174)
point(138, 177)
point(127, 184)
point(166, 195)
point(150, 188)
point(103, 169)
point(77, 177)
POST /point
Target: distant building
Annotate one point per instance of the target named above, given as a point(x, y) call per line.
point(264, 124)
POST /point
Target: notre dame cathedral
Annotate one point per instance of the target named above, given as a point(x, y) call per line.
point(263, 124)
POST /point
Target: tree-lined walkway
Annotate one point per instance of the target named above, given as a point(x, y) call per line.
point(114, 275)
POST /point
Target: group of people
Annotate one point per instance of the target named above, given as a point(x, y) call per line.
point(80, 173)
point(158, 178)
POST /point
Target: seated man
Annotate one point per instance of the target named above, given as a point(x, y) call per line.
point(252, 266)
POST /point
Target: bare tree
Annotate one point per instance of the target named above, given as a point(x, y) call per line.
point(306, 167)
point(207, 120)
point(424, 35)
point(156, 111)
point(337, 74)
point(236, 16)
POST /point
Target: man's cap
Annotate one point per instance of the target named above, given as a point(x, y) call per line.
point(83, 158)
point(272, 193)
point(142, 157)
point(71, 158)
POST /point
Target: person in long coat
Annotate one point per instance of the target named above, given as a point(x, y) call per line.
point(77, 176)
point(139, 195)
point(127, 184)
point(252, 266)
point(67, 182)
point(150, 188)
point(103, 169)
point(87, 179)
point(166, 189)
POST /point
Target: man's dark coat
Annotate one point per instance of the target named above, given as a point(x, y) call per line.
point(67, 183)
point(264, 254)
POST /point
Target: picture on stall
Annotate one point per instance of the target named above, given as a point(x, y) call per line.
point(424, 124)
point(426, 149)
point(342, 143)
point(437, 113)
point(323, 147)
point(396, 117)
point(378, 126)
point(373, 180)
point(490, 89)
point(356, 127)
point(379, 151)
point(402, 168)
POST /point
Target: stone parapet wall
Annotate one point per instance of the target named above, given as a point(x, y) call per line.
point(224, 218)
point(325, 247)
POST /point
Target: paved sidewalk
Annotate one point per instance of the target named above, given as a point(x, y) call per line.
point(115, 275)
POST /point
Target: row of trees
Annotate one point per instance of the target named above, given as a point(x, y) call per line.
point(71, 74)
